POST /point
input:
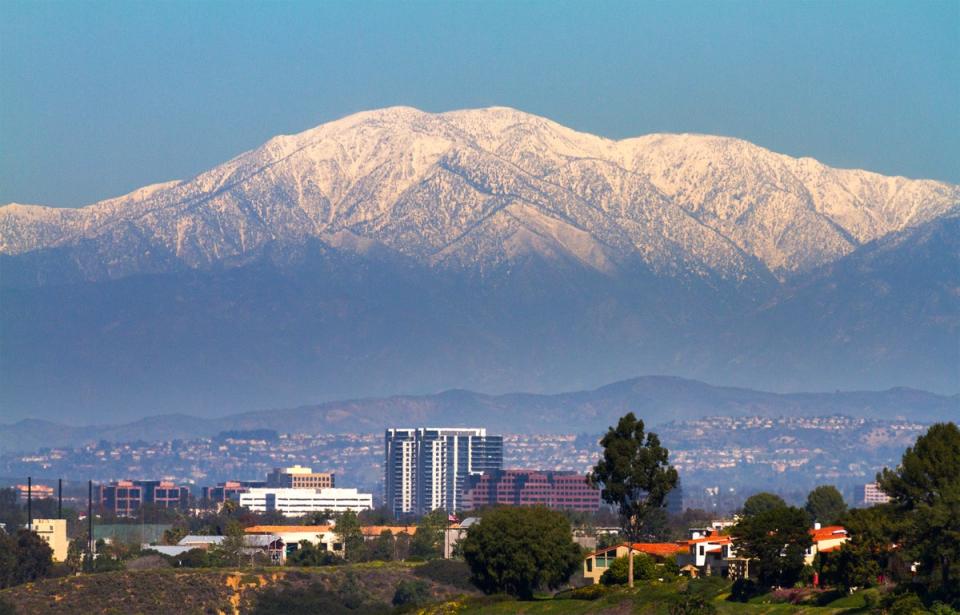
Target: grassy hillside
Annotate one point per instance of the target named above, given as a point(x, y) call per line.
point(654, 598)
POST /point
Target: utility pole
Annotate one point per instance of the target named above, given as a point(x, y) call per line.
point(59, 498)
point(29, 502)
point(90, 519)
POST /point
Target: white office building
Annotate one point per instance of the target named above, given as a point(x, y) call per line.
point(297, 502)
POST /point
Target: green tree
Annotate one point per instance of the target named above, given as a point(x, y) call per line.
point(11, 514)
point(618, 573)
point(867, 553)
point(825, 505)
point(310, 555)
point(350, 536)
point(762, 502)
point(925, 487)
point(520, 550)
point(24, 557)
point(427, 542)
point(75, 552)
point(230, 549)
point(8, 560)
point(635, 477)
point(174, 535)
point(775, 540)
point(381, 549)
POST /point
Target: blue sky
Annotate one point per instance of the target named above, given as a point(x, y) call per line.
point(99, 98)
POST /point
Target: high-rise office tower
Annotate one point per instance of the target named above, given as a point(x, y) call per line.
point(425, 468)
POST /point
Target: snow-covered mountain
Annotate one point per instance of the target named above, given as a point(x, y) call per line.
point(401, 251)
point(480, 188)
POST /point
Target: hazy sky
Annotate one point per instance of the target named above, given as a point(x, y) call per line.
point(97, 99)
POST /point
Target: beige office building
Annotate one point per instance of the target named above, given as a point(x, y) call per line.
point(300, 477)
point(54, 533)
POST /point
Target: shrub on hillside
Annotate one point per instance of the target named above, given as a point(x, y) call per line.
point(347, 600)
point(743, 590)
point(447, 572)
point(411, 594)
point(587, 592)
point(194, 558)
point(692, 604)
point(906, 603)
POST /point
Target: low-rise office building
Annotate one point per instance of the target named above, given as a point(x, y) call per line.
point(553, 489)
point(54, 533)
point(230, 490)
point(298, 502)
point(125, 497)
point(35, 492)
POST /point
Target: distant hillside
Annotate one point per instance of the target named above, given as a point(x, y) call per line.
point(657, 399)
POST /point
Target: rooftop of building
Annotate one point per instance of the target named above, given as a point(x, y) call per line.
point(376, 530)
point(288, 529)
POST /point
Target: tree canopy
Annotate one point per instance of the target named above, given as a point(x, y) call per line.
point(925, 488)
point(519, 550)
point(635, 476)
point(868, 554)
point(762, 502)
point(776, 539)
point(825, 505)
point(350, 536)
point(24, 557)
point(427, 543)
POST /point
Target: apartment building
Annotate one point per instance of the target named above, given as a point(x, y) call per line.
point(873, 494)
point(425, 468)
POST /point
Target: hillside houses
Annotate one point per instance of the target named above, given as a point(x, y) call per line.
point(707, 552)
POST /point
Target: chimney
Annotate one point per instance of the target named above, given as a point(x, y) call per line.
point(816, 525)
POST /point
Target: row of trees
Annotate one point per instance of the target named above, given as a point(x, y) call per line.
point(914, 540)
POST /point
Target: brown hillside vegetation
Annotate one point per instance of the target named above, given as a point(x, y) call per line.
point(206, 591)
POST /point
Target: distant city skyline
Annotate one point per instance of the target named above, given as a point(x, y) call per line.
point(100, 98)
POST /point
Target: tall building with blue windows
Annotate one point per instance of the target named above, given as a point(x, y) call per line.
point(425, 468)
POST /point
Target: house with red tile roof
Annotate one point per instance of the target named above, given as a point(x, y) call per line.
point(596, 563)
point(825, 540)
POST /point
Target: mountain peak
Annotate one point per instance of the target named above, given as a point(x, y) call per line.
point(480, 188)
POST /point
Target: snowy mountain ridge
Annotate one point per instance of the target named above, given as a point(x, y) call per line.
point(482, 188)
